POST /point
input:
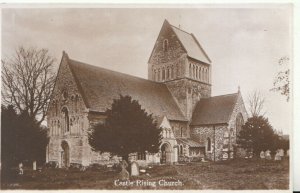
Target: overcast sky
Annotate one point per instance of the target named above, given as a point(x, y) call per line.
point(244, 44)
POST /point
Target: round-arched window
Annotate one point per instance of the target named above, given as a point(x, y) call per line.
point(165, 45)
point(65, 95)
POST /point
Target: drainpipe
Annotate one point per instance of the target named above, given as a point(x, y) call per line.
point(214, 143)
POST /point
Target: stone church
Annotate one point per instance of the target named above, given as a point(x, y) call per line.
point(194, 124)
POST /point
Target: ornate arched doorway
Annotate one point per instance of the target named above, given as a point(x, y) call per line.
point(65, 154)
point(165, 156)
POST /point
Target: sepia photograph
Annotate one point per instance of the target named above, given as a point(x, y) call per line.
point(172, 97)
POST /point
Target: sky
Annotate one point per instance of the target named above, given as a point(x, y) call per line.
point(244, 44)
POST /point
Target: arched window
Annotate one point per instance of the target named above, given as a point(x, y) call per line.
point(172, 72)
point(168, 73)
point(154, 75)
point(58, 127)
point(199, 73)
point(181, 132)
point(66, 119)
point(158, 75)
point(163, 74)
point(191, 70)
point(65, 95)
point(196, 72)
point(165, 45)
point(208, 78)
point(180, 150)
point(208, 144)
point(239, 122)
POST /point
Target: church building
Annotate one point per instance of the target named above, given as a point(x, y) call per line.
point(194, 124)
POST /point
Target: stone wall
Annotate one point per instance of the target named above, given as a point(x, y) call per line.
point(66, 95)
point(171, 57)
point(218, 137)
point(187, 93)
point(238, 109)
point(180, 129)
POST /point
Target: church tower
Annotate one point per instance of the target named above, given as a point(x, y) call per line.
point(179, 61)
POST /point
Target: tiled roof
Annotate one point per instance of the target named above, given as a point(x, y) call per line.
point(189, 142)
point(214, 110)
point(192, 46)
point(100, 86)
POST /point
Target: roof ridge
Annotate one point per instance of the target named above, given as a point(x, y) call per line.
point(113, 71)
point(181, 29)
point(236, 93)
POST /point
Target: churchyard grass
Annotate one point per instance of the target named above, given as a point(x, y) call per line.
point(236, 174)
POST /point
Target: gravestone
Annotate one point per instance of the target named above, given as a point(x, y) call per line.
point(21, 172)
point(281, 153)
point(34, 166)
point(134, 169)
point(268, 155)
point(225, 156)
point(277, 156)
point(262, 155)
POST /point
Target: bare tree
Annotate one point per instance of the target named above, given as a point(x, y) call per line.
point(27, 81)
point(256, 103)
point(282, 80)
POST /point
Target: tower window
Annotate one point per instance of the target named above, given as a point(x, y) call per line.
point(208, 148)
point(163, 74)
point(158, 76)
point(168, 73)
point(165, 45)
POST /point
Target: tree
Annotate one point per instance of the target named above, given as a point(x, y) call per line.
point(256, 103)
point(127, 129)
point(22, 139)
point(27, 81)
point(257, 135)
point(282, 80)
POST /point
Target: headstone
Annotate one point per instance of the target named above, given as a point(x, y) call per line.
point(268, 155)
point(21, 172)
point(134, 169)
point(34, 166)
point(277, 156)
point(225, 156)
point(231, 155)
point(262, 155)
point(281, 153)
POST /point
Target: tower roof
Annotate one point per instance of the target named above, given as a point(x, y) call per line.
point(191, 45)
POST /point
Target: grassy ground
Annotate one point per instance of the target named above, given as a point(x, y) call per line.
point(237, 174)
